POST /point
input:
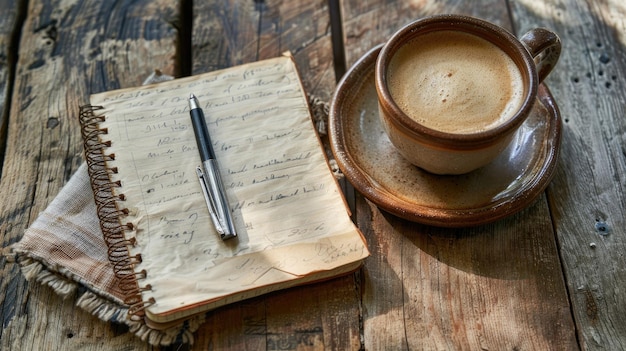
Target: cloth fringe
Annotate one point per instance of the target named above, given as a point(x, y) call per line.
point(320, 110)
point(108, 312)
point(35, 271)
point(104, 309)
point(67, 284)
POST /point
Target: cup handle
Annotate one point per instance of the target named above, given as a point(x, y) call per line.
point(545, 48)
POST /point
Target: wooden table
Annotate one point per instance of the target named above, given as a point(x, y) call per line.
point(550, 277)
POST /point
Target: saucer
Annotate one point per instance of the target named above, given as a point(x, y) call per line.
point(373, 166)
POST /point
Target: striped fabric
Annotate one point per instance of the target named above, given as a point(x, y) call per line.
point(64, 249)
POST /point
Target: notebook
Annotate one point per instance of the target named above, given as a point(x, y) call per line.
point(292, 222)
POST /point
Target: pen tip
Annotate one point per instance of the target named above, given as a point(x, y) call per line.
point(193, 102)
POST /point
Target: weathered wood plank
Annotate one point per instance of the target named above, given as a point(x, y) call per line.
point(318, 316)
point(369, 23)
point(9, 28)
point(477, 288)
point(496, 286)
point(587, 194)
point(228, 33)
point(68, 50)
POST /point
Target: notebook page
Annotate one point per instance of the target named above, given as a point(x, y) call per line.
point(287, 208)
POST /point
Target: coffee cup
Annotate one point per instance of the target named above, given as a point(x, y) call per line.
point(452, 90)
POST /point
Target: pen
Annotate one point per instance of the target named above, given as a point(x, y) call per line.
point(209, 175)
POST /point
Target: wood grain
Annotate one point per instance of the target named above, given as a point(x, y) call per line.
point(68, 50)
point(587, 194)
point(227, 33)
point(549, 277)
point(9, 28)
point(369, 23)
point(478, 288)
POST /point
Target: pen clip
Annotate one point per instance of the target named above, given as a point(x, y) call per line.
point(210, 202)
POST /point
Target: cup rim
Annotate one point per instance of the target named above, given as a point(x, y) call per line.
point(486, 30)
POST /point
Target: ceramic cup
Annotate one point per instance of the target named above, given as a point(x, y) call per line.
point(452, 90)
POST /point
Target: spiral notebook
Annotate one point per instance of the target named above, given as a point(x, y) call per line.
point(293, 224)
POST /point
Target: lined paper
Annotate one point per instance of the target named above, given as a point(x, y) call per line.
point(289, 214)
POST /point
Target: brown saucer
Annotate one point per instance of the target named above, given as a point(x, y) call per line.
point(373, 166)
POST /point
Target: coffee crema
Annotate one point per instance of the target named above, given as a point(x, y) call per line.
point(455, 82)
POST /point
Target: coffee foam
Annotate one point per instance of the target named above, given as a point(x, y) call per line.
point(455, 82)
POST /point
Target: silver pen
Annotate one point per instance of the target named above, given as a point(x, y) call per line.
point(209, 175)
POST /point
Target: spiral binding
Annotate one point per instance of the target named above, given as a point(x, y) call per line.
point(110, 213)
